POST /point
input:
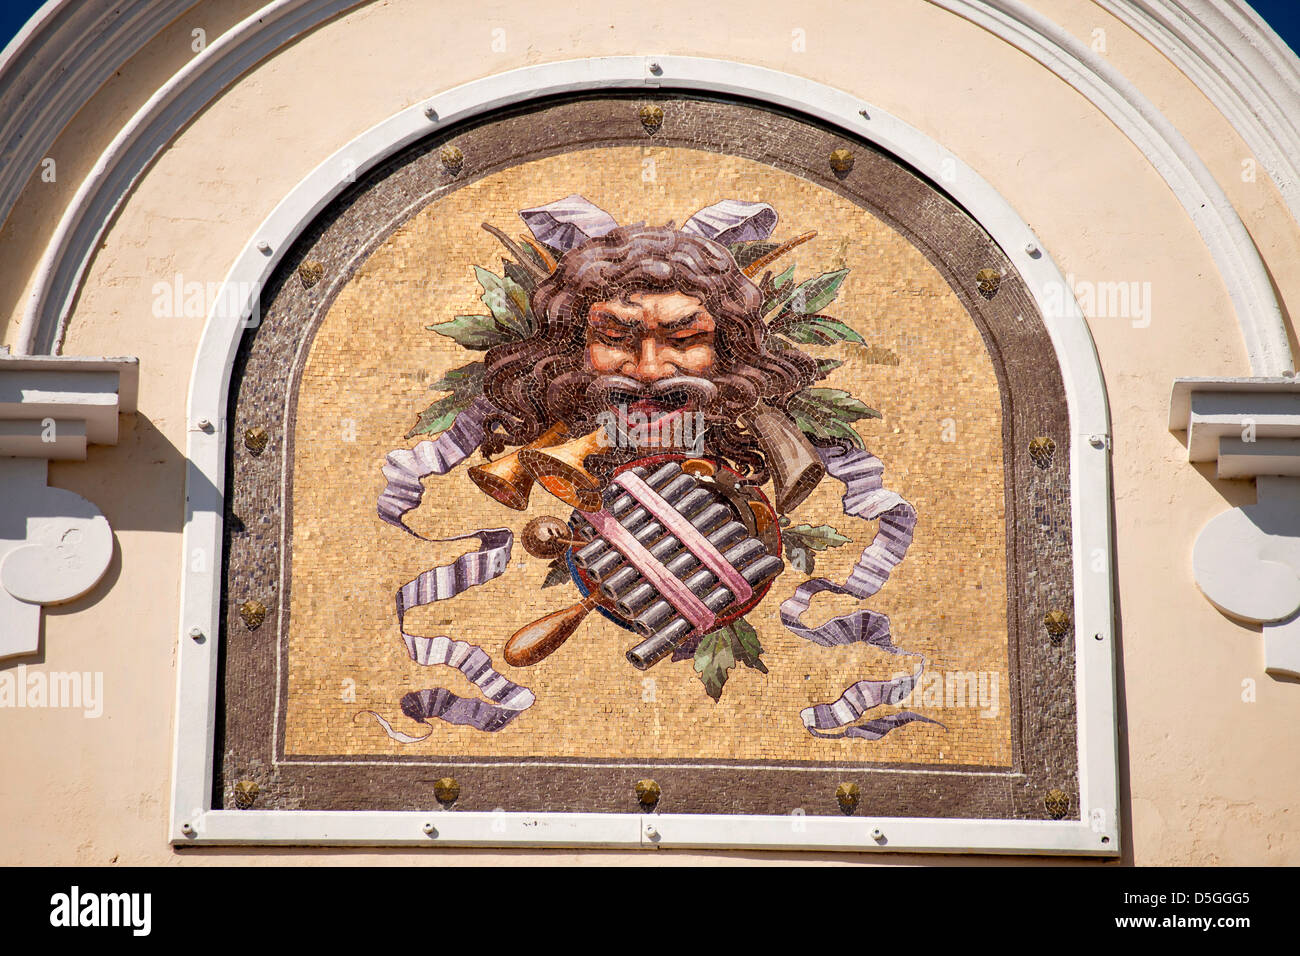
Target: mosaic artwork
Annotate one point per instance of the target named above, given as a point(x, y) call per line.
point(579, 459)
point(648, 381)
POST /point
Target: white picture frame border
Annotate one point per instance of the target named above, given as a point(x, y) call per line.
point(194, 821)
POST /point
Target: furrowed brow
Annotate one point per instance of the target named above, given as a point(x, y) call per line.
point(684, 320)
point(616, 319)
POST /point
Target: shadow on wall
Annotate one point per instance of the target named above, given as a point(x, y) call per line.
point(139, 485)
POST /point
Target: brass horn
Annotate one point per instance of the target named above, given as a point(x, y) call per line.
point(560, 471)
point(796, 469)
point(508, 479)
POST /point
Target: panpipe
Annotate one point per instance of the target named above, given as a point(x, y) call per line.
point(674, 555)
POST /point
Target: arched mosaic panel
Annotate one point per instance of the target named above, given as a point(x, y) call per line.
point(625, 454)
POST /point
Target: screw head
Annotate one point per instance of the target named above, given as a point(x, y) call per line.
point(1097, 441)
point(1031, 247)
point(187, 829)
point(651, 832)
point(656, 69)
point(429, 829)
point(264, 247)
point(430, 112)
point(196, 632)
point(878, 835)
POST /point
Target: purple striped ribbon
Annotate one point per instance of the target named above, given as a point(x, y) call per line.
point(405, 471)
point(865, 497)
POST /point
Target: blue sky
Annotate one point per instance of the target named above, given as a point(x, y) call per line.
point(1282, 15)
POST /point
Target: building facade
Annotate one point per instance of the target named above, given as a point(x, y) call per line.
point(869, 428)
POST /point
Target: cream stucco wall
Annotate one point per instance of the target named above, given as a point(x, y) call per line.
point(1205, 776)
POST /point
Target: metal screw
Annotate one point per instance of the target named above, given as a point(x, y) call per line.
point(656, 69)
point(203, 425)
point(1097, 441)
point(264, 247)
point(430, 112)
point(428, 828)
point(650, 831)
point(864, 114)
point(196, 632)
point(187, 829)
point(878, 835)
point(1031, 247)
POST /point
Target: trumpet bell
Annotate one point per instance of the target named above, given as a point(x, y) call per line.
point(796, 468)
point(559, 469)
point(508, 479)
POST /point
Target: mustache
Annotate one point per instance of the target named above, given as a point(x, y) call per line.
point(674, 391)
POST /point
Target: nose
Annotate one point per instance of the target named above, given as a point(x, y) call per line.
point(649, 366)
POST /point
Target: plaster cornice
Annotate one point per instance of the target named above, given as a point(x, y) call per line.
point(208, 74)
point(55, 64)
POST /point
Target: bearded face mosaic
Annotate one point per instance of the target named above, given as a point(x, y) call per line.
point(617, 455)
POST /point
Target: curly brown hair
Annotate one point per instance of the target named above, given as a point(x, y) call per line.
point(542, 379)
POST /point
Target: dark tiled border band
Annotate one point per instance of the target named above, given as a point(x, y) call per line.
point(264, 392)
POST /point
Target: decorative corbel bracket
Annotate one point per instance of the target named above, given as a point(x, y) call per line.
point(1247, 560)
point(54, 544)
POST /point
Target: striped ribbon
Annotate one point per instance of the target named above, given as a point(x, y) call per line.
point(865, 497)
point(506, 700)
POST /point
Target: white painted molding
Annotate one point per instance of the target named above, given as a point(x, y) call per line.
point(1258, 313)
point(1241, 65)
point(193, 818)
point(56, 63)
point(202, 80)
point(1247, 560)
point(54, 544)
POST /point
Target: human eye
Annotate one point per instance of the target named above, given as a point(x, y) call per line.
point(613, 336)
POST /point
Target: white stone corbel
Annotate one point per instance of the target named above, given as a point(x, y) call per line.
point(54, 544)
point(1247, 560)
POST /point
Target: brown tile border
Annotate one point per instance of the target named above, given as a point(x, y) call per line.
point(1038, 500)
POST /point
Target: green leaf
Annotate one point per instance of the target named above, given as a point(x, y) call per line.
point(557, 573)
point(817, 538)
point(465, 384)
point(466, 377)
point(826, 366)
point(815, 330)
point(779, 283)
point(506, 299)
point(714, 658)
point(745, 646)
point(801, 559)
point(812, 295)
point(746, 252)
point(477, 333)
point(825, 413)
point(519, 275)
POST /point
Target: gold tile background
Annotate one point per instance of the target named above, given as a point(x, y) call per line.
point(366, 378)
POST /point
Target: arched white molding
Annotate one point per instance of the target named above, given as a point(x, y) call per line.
point(1241, 65)
point(55, 64)
point(1240, 267)
point(68, 255)
point(192, 819)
